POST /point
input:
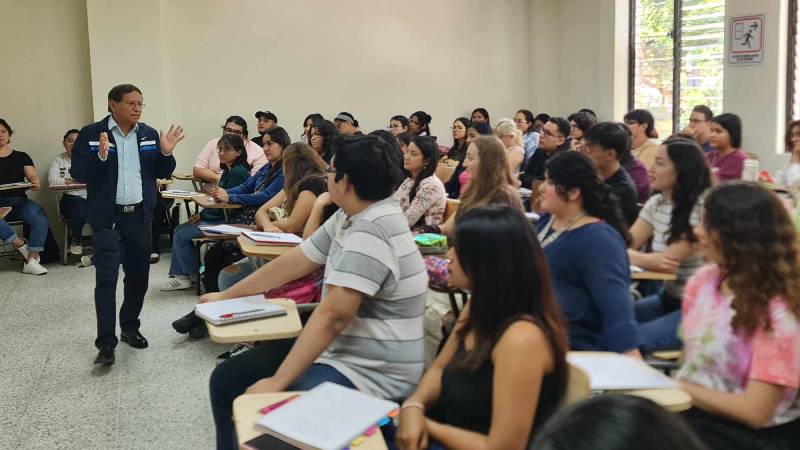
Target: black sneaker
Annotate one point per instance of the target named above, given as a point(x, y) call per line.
point(198, 331)
point(186, 323)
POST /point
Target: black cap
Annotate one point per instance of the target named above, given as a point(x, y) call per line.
point(267, 115)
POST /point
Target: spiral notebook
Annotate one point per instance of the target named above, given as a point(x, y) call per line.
point(238, 310)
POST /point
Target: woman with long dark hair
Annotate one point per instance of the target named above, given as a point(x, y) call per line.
point(480, 115)
point(459, 149)
point(421, 195)
point(419, 123)
point(584, 237)
point(502, 372)
point(680, 175)
point(308, 124)
point(790, 177)
point(741, 323)
point(322, 134)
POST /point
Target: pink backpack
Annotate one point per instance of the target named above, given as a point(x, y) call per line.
point(307, 289)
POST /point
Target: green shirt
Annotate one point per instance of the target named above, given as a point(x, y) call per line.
point(230, 179)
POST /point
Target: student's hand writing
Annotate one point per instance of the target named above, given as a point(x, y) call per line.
point(412, 434)
point(264, 386)
point(269, 227)
point(103, 146)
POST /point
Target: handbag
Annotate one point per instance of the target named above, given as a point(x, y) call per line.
point(307, 289)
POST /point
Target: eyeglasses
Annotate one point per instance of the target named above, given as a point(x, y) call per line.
point(227, 130)
point(546, 133)
point(133, 105)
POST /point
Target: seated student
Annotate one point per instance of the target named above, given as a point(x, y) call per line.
point(233, 158)
point(16, 167)
point(553, 141)
point(422, 196)
point(580, 122)
point(790, 177)
point(459, 149)
point(457, 184)
point(267, 120)
point(502, 371)
point(480, 115)
point(9, 236)
point(207, 166)
point(366, 332)
point(700, 127)
point(398, 124)
point(73, 203)
point(727, 159)
point(308, 124)
point(393, 147)
point(322, 134)
point(404, 140)
point(741, 323)
point(616, 422)
point(525, 122)
point(680, 175)
point(644, 136)
point(584, 238)
point(605, 144)
point(346, 124)
point(419, 122)
point(511, 137)
point(490, 180)
point(539, 121)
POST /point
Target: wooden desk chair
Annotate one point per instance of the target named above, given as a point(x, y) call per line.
point(8, 251)
point(578, 386)
point(451, 208)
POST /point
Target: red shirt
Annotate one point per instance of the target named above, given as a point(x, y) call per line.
point(728, 167)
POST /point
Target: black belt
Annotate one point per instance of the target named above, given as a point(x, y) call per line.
point(127, 209)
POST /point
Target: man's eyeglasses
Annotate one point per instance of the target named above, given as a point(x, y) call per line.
point(227, 130)
point(133, 105)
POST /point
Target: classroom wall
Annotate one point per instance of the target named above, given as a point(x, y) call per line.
point(45, 88)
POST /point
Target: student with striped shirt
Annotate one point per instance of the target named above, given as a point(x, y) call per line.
point(366, 332)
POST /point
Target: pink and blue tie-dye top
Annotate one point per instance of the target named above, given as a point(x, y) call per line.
point(718, 357)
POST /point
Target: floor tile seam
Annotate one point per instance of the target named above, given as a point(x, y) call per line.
point(27, 403)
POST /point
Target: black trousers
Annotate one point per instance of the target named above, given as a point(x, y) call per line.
point(127, 242)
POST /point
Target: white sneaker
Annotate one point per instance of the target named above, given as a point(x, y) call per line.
point(24, 251)
point(154, 257)
point(33, 267)
point(76, 249)
point(177, 284)
point(86, 261)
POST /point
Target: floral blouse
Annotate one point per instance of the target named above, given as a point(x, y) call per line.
point(721, 358)
point(428, 204)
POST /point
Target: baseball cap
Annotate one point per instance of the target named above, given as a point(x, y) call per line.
point(267, 115)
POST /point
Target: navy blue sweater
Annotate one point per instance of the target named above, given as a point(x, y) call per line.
point(591, 279)
point(101, 176)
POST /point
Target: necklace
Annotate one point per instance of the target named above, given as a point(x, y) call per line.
point(547, 240)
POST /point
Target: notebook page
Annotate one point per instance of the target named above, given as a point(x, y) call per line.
point(327, 417)
point(234, 306)
point(281, 238)
point(613, 372)
point(223, 229)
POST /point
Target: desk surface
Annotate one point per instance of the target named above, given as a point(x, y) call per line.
point(647, 275)
point(225, 237)
point(189, 196)
point(4, 211)
point(208, 202)
point(246, 412)
point(164, 182)
point(67, 187)
point(267, 329)
point(249, 248)
point(185, 176)
point(10, 186)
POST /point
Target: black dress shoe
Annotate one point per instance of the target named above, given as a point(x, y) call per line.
point(105, 357)
point(198, 331)
point(186, 323)
point(134, 339)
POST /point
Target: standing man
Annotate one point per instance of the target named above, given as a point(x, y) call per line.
point(120, 159)
point(266, 121)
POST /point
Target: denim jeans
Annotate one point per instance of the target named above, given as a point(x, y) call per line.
point(658, 326)
point(31, 213)
point(243, 268)
point(75, 213)
point(231, 378)
point(184, 253)
point(7, 234)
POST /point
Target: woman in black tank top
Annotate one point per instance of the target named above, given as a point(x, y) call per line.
point(503, 370)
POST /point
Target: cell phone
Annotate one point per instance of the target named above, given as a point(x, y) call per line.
point(268, 442)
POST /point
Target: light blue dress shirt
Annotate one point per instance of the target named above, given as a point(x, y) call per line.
point(531, 144)
point(129, 172)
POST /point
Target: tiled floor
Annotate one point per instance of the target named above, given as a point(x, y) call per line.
point(52, 396)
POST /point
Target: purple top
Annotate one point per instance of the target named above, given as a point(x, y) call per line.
point(728, 167)
point(638, 172)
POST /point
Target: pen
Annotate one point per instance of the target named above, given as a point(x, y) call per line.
point(274, 406)
point(229, 315)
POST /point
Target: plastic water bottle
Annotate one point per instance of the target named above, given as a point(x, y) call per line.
point(751, 170)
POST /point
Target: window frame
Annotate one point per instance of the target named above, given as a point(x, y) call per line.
point(791, 54)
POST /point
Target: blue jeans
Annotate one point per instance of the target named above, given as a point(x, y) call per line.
point(31, 213)
point(658, 326)
point(228, 278)
point(184, 253)
point(7, 234)
point(231, 378)
point(75, 213)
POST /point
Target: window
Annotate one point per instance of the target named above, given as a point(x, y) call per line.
point(793, 64)
point(676, 59)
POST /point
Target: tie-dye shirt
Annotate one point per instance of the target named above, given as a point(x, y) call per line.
point(720, 358)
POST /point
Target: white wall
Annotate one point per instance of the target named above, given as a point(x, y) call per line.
point(45, 88)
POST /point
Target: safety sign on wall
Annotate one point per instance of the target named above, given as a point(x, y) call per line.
point(746, 40)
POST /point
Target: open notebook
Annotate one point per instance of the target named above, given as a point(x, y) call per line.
point(269, 238)
point(616, 372)
point(238, 310)
point(229, 230)
point(327, 417)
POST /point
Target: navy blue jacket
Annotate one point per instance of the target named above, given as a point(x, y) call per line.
point(101, 176)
